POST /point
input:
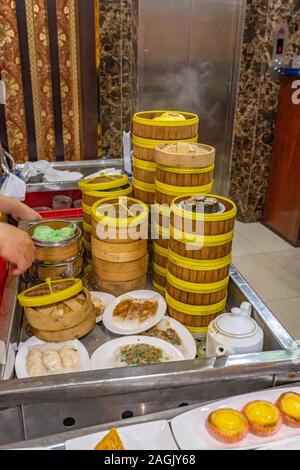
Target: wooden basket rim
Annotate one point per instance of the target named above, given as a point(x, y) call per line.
point(191, 119)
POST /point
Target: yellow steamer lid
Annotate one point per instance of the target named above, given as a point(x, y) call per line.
point(132, 217)
point(102, 181)
point(165, 118)
point(114, 192)
point(50, 292)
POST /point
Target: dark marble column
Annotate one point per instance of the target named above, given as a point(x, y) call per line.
point(257, 102)
point(118, 77)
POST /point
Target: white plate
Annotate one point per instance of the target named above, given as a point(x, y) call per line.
point(123, 329)
point(102, 356)
point(191, 434)
point(20, 364)
point(288, 444)
point(146, 436)
point(188, 346)
point(107, 298)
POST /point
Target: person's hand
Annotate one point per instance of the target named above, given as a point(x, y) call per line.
point(23, 212)
point(16, 247)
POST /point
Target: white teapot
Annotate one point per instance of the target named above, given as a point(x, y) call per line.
point(234, 333)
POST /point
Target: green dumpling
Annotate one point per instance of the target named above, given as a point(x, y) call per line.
point(44, 233)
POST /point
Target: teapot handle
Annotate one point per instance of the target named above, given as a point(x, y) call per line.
point(246, 309)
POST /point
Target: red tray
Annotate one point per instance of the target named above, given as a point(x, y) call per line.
point(62, 214)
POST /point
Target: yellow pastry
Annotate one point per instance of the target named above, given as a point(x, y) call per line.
point(289, 407)
point(227, 425)
point(170, 116)
point(263, 417)
point(111, 441)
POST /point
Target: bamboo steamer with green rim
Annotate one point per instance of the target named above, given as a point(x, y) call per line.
point(165, 125)
point(143, 149)
point(120, 220)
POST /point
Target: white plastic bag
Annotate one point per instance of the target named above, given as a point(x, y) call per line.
point(13, 187)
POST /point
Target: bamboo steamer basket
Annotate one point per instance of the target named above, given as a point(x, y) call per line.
point(55, 252)
point(120, 220)
point(145, 125)
point(87, 249)
point(184, 155)
point(143, 191)
point(122, 287)
point(165, 193)
point(143, 149)
point(119, 252)
point(144, 171)
point(184, 177)
point(183, 284)
point(58, 310)
point(41, 271)
point(123, 271)
point(87, 232)
point(102, 182)
point(75, 332)
point(202, 236)
point(90, 197)
point(195, 318)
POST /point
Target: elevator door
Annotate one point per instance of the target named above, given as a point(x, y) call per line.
point(188, 59)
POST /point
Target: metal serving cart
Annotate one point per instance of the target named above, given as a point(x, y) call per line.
point(43, 406)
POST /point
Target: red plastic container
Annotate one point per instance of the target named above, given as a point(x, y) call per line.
point(40, 199)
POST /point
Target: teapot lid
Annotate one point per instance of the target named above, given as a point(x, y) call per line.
point(235, 323)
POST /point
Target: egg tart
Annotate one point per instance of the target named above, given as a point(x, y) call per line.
point(289, 407)
point(111, 441)
point(227, 425)
point(263, 417)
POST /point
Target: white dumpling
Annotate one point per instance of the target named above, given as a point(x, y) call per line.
point(69, 357)
point(34, 363)
point(52, 361)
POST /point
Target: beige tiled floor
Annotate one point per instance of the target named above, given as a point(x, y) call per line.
point(272, 268)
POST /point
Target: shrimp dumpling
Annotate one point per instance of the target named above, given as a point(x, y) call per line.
point(34, 363)
point(69, 357)
point(52, 360)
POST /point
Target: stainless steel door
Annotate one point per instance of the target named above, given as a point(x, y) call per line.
point(188, 59)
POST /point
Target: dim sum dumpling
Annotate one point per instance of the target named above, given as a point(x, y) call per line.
point(52, 360)
point(69, 357)
point(35, 366)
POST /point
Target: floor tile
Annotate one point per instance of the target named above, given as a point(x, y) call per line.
point(268, 279)
point(242, 246)
point(289, 260)
point(288, 313)
point(263, 238)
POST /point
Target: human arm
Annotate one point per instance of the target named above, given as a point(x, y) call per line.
point(17, 210)
point(16, 247)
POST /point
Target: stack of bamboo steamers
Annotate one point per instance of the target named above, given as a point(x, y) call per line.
point(152, 128)
point(94, 189)
point(182, 169)
point(199, 258)
point(119, 244)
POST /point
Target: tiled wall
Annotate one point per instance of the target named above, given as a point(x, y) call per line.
point(118, 71)
point(257, 102)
